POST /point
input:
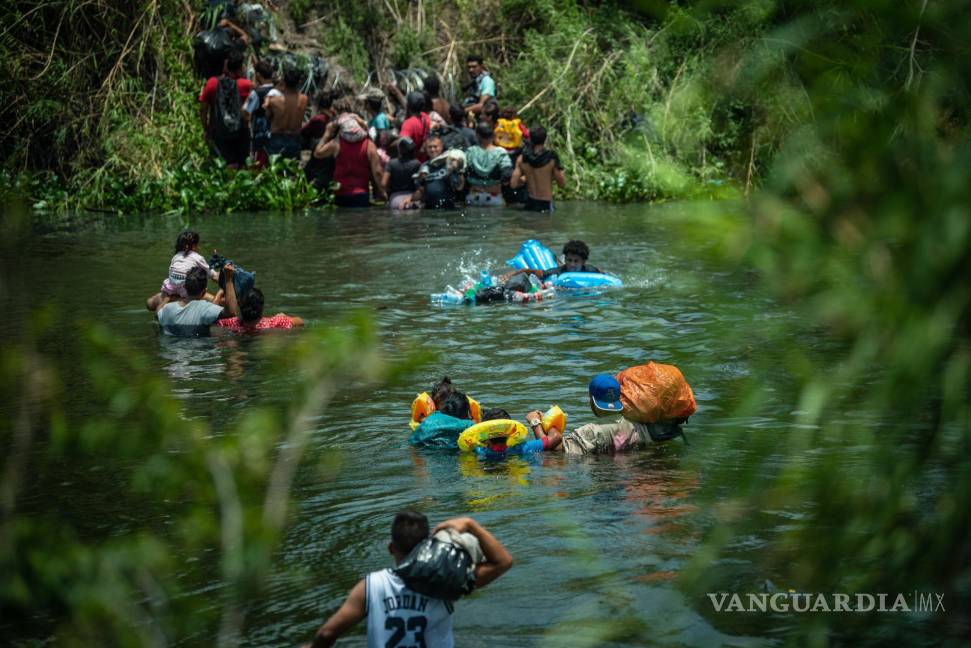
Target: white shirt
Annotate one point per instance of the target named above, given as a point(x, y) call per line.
point(396, 616)
point(181, 263)
point(190, 320)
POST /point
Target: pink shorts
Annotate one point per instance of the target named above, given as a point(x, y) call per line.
point(173, 290)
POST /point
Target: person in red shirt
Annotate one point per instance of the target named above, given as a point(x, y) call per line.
point(417, 124)
point(248, 314)
point(232, 146)
point(356, 160)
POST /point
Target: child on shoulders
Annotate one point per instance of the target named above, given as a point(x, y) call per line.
point(186, 257)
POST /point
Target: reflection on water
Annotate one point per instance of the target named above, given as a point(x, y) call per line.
point(598, 541)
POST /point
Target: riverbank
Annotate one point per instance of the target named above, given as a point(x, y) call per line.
point(628, 97)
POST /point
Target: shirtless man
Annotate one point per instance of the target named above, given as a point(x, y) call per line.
point(286, 112)
point(537, 169)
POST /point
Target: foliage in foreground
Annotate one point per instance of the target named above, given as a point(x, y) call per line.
point(864, 225)
point(195, 492)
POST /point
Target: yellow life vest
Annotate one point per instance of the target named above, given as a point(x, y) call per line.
point(554, 417)
point(507, 133)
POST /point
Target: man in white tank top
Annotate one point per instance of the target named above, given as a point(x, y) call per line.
point(397, 616)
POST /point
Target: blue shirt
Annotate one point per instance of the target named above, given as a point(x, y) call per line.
point(486, 85)
point(529, 447)
point(379, 122)
point(439, 431)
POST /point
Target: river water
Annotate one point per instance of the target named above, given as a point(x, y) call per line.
point(599, 542)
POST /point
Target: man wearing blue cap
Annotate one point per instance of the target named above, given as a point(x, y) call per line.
point(622, 436)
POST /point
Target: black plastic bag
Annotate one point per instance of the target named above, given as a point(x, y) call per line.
point(211, 47)
point(519, 282)
point(490, 295)
point(664, 431)
point(438, 569)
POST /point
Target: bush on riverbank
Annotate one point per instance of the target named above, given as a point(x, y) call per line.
point(194, 186)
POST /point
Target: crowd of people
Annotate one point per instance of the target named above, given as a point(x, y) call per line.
point(413, 150)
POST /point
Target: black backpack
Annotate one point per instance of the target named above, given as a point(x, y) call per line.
point(227, 111)
point(259, 119)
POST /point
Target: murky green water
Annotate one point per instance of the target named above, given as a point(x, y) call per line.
point(594, 538)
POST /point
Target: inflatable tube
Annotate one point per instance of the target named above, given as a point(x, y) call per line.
point(533, 255)
point(570, 280)
point(423, 405)
point(554, 417)
point(479, 434)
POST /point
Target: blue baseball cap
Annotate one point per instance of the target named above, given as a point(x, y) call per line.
point(605, 392)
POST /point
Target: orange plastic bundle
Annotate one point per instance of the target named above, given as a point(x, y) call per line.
point(655, 392)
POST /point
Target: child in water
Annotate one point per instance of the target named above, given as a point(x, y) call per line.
point(186, 257)
point(441, 428)
point(543, 441)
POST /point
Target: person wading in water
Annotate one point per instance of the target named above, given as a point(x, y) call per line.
point(286, 113)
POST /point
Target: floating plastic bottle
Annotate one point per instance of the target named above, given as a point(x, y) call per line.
point(535, 283)
point(450, 296)
point(447, 298)
point(486, 280)
point(544, 294)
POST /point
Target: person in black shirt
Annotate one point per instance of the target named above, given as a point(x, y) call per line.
point(398, 181)
point(575, 255)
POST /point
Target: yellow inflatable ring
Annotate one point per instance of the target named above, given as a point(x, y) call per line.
point(479, 434)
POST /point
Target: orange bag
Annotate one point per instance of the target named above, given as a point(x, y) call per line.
point(655, 392)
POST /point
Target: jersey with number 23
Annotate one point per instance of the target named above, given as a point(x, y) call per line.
point(400, 618)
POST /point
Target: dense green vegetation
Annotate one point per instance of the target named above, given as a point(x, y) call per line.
point(849, 121)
